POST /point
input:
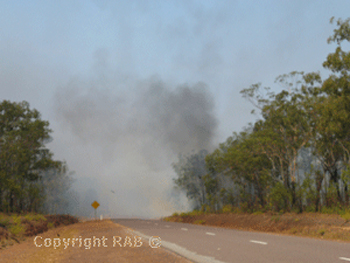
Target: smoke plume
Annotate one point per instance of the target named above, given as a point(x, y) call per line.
point(122, 144)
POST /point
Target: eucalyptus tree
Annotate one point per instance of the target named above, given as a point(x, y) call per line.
point(284, 130)
point(190, 171)
point(335, 108)
point(23, 155)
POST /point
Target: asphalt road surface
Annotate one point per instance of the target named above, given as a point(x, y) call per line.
point(215, 245)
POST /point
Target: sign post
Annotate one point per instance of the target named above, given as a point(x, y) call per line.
point(95, 204)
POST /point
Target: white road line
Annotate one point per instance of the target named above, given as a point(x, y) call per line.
point(258, 242)
point(182, 251)
point(210, 234)
point(184, 229)
point(167, 226)
point(345, 259)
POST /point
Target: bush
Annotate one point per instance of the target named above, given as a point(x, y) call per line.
point(195, 213)
point(322, 232)
point(205, 209)
point(4, 220)
point(34, 217)
point(258, 213)
point(279, 198)
point(16, 229)
point(346, 216)
point(227, 209)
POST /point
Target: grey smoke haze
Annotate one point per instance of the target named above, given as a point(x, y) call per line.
point(129, 141)
point(86, 66)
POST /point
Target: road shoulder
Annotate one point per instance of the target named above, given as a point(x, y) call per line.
point(91, 241)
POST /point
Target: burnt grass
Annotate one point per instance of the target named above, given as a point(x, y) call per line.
point(316, 225)
point(16, 227)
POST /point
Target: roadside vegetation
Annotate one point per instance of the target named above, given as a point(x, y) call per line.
point(30, 179)
point(32, 184)
point(316, 225)
point(294, 160)
point(15, 228)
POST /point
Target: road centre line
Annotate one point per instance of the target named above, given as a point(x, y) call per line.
point(345, 259)
point(258, 242)
point(184, 229)
point(210, 234)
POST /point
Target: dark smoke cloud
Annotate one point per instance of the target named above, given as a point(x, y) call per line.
point(128, 140)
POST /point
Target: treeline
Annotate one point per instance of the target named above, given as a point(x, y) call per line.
point(30, 180)
point(295, 158)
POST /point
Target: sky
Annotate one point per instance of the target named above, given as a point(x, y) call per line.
point(127, 86)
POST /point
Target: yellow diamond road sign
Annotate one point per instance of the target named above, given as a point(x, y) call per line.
point(95, 204)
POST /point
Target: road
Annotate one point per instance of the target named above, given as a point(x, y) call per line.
point(215, 245)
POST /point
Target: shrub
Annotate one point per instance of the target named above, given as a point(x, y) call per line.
point(279, 198)
point(200, 222)
point(16, 229)
point(258, 213)
point(4, 220)
point(205, 208)
point(195, 213)
point(227, 209)
point(34, 217)
point(322, 232)
point(346, 216)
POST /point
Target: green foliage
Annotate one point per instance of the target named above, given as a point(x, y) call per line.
point(263, 162)
point(24, 158)
point(346, 215)
point(280, 198)
point(258, 213)
point(190, 171)
point(35, 217)
point(322, 232)
point(199, 222)
point(195, 213)
point(227, 209)
point(16, 229)
point(206, 209)
point(275, 218)
point(16, 219)
point(4, 220)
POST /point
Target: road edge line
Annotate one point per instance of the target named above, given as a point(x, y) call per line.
point(181, 250)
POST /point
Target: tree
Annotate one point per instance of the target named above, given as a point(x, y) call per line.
point(190, 171)
point(23, 155)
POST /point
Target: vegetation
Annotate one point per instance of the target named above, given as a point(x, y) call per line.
point(296, 157)
point(16, 227)
point(30, 180)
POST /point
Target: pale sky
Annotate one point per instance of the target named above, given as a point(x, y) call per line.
point(78, 62)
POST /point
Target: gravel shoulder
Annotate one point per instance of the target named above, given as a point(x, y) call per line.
point(90, 241)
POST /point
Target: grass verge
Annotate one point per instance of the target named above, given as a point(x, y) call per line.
point(16, 227)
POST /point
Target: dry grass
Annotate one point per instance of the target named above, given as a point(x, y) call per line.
point(317, 225)
point(14, 228)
